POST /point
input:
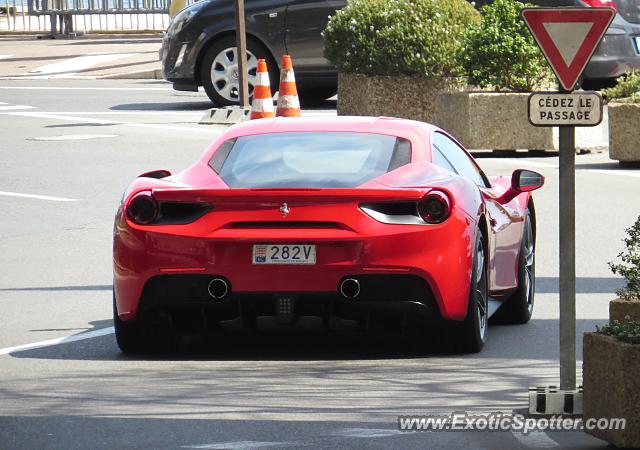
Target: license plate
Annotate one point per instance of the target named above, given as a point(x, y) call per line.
point(284, 254)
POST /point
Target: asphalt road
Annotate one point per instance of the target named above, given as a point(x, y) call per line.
point(68, 149)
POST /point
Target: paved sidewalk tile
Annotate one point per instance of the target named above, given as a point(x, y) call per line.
point(86, 57)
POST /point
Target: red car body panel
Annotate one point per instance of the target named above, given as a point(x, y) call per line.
point(348, 240)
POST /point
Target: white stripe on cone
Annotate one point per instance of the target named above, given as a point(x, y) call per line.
point(288, 102)
point(287, 76)
point(262, 79)
point(262, 105)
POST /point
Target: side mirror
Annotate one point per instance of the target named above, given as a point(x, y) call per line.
point(522, 180)
point(526, 180)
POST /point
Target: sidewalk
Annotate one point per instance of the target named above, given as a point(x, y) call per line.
point(88, 57)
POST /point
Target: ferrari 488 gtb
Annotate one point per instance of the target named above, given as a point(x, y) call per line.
point(340, 223)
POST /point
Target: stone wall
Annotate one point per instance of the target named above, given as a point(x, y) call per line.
point(624, 122)
point(398, 96)
point(612, 387)
point(488, 120)
point(479, 120)
point(619, 310)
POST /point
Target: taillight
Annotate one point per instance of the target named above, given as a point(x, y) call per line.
point(435, 207)
point(601, 4)
point(143, 209)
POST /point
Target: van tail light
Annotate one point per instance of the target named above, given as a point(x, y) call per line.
point(601, 4)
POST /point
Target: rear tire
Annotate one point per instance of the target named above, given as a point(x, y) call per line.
point(133, 337)
point(471, 335)
point(519, 307)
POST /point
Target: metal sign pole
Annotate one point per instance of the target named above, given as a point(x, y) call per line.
point(241, 45)
point(567, 204)
point(568, 52)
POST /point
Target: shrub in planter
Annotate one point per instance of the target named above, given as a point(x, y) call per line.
point(405, 50)
point(500, 52)
point(613, 353)
point(499, 55)
point(628, 332)
point(624, 115)
point(627, 87)
point(627, 307)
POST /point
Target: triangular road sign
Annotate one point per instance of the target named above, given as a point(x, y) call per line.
point(568, 37)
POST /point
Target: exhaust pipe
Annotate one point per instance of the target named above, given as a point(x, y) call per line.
point(218, 288)
point(350, 288)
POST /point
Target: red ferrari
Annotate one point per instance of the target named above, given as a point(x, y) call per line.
point(338, 223)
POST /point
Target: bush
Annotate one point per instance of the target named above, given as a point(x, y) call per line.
point(628, 332)
point(630, 267)
point(399, 37)
point(627, 86)
point(500, 52)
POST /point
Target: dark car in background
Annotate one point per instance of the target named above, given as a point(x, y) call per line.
point(619, 51)
point(199, 45)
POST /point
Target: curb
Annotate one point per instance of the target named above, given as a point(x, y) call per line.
point(150, 34)
point(153, 74)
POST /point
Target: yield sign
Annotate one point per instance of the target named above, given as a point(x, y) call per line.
point(568, 37)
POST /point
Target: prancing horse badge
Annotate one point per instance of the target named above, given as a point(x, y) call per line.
point(284, 210)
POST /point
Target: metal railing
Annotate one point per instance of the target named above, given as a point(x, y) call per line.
point(70, 16)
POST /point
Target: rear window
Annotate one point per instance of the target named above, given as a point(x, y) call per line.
point(308, 159)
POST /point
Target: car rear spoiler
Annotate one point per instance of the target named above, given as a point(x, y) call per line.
point(327, 195)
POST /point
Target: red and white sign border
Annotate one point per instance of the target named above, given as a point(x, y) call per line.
point(551, 52)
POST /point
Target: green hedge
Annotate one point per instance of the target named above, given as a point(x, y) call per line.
point(399, 37)
point(627, 87)
point(628, 332)
point(500, 52)
point(629, 265)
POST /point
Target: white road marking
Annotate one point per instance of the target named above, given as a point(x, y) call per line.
point(41, 115)
point(325, 113)
point(15, 107)
point(80, 88)
point(73, 137)
point(536, 439)
point(124, 113)
point(526, 163)
point(62, 340)
point(617, 172)
point(367, 432)
point(237, 445)
point(72, 66)
point(519, 162)
point(38, 197)
point(5, 56)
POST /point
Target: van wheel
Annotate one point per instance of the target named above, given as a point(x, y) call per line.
point(219, 70)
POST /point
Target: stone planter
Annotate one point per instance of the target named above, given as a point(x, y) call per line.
point(619, 310)
point(491, 120)
point(398, 96)
point(623, 131)
point(612, 387)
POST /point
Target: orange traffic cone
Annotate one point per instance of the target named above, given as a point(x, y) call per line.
point(262, 104)
point(288, 102)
